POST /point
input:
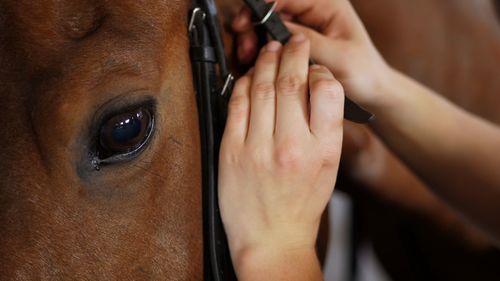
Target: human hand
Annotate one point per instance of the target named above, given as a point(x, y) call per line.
point(279, 155)
point(339, 41)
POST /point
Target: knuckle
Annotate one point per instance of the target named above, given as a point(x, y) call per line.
point(237, 102)
point(331, 155)
point(288, 156)
point(230, 158)
point(238, 116)
point(264, 90)
point(238, 107)
point(230, 153)
point(289, 84)
point(329, 88)
point(257, 158)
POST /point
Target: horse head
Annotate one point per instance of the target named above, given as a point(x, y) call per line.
point(100, 174)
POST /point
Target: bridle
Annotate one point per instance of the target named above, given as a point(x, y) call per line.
point(213, 85)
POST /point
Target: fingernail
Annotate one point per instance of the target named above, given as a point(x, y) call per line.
point(273, 46)
point(299, 37)
point(315, 67)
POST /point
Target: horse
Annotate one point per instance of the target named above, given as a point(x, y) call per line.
point(75, 204)
point(100, 174)
point(79, 198)
point(453, 47)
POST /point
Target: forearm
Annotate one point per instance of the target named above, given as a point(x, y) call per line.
point(274, 265)
point(378, 170)
point(456, 153)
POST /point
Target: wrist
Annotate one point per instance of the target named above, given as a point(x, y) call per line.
point(391, 95)
point(383, 90)
point(243, 246)
point(267, 261)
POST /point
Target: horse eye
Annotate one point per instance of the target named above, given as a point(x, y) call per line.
point(125, 133)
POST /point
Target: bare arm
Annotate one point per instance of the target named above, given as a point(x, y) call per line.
point(368, 162)
point(455, 152)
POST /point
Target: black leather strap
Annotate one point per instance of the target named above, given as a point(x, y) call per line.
point(209, 75)
point(274, 25)
point(203, 54)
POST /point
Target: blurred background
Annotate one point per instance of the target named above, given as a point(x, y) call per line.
point(339, 259)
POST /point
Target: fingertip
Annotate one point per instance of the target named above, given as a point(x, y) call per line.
point(251, 71)
point(298, 37)
point(290, 25)
point(297, 29)
point(242, 22)
point(315, 67)
point(321, 69)
point(273, 46)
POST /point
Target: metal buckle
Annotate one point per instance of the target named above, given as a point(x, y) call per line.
point(197, 11)
point(268, 14)
point(229, 80)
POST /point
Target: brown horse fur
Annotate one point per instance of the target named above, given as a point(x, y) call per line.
point(61, 64)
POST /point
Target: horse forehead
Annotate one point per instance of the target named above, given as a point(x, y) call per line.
point(43, 34)
point(55, 8)
point(55, 20)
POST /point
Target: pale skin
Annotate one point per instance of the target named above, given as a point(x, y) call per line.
point(366, 160)
point(453, 151)
point(432, 136)
point(279, 160)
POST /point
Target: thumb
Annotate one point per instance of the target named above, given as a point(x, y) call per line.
point(324, 50)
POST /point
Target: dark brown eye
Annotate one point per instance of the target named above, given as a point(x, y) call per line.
point(125, 133)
